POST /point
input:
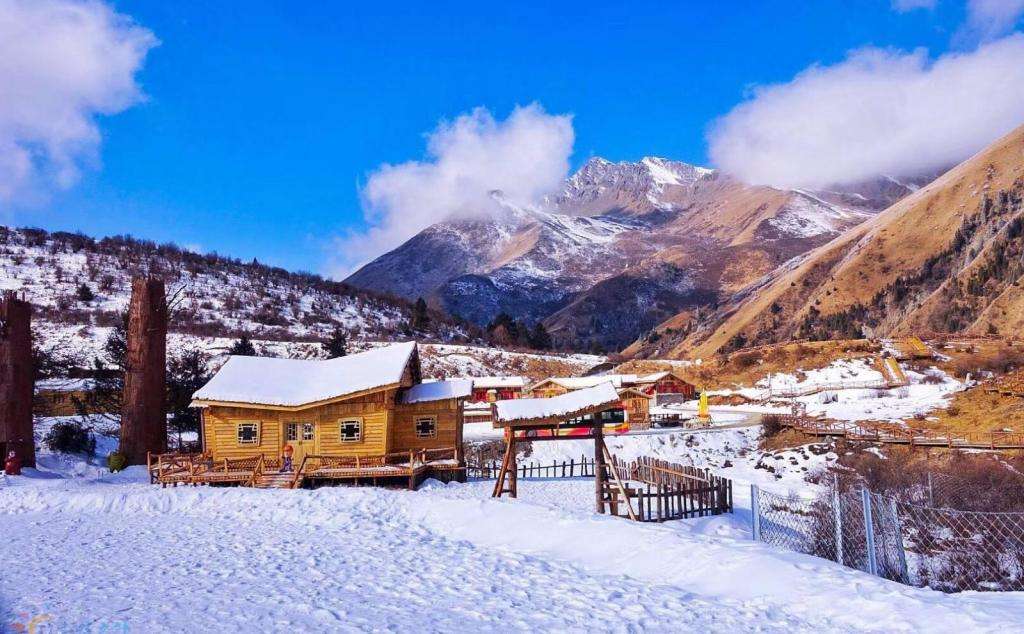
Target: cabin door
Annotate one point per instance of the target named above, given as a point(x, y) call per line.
point(302, 439)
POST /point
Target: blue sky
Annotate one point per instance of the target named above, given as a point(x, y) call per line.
point(262, 120)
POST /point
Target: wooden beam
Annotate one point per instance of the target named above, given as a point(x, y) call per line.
point(599, 468)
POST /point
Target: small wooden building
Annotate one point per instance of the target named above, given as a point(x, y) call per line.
point(367, 409)
point(666, 382)
point(635, 403)
point(487, 389)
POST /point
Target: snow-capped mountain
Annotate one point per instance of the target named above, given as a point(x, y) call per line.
point(622, 247)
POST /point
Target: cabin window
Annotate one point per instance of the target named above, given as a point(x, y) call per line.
point(351, 430)
point(248, 433)
point(307, 431)
point(426, 427)
point(291, 431)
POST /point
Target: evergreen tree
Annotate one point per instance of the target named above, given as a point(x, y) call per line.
point(186, 373)
point(420, 318)
point(243, 347)
point(337, 345)
point(85, 293)
point(539, 338)
point(108, 375)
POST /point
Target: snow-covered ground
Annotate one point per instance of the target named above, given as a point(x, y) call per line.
point(109, 552)
point(925, 393)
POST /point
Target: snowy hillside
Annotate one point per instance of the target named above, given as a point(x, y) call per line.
point(75, 280)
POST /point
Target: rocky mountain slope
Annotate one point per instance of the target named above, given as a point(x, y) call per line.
point(74, 280)
point(949, 258)
point(622, 248)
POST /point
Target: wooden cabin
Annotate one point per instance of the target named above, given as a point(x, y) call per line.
point(58, 396)
point(666, 382)
point(371, 406)
point(635, 404)
point(487, 389)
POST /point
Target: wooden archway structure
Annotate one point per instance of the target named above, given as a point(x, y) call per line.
point(545, 420)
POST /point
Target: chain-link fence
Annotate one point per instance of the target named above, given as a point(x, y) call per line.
point(918, 545)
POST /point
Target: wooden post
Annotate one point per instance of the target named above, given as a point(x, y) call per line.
point(599, 467)
point(143, 414)
point(16, 379)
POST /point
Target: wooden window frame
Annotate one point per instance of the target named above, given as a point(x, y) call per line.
point(416, 426)
point(288, 427)
point(311, 428)
point(341, 430)
point(238, 433)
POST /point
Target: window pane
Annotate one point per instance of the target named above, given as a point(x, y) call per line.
point(292, 431)
point(248, 434)
point(307, 431)
point(351, 430)
point(426, 428)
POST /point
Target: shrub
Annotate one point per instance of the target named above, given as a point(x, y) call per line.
point(743, 360)
point(772, 425)
point(933, 377)
point(116, 462)
point(70, 437)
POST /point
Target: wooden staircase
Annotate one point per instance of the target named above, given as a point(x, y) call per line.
point(274, 480)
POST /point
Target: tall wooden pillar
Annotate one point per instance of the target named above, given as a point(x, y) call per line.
point(143, 412)
point(599, 466)
point(16, 379)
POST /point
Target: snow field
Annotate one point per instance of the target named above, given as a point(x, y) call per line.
point(443, 558)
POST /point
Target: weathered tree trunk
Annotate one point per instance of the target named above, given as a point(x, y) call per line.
point(599, 468)
point(143, 413)
point(16, 379)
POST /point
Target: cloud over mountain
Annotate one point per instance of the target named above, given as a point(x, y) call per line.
point(880, 111)
point(526, 156)
point(62, 64)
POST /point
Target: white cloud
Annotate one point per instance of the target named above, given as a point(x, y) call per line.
point(903, 6)
point(990, 19)
point(877, 112)
point(62, 63)
point(526, 156)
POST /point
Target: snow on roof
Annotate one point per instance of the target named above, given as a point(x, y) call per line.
point(563, 405)
point(437, 391)
point(296, 382)
point(580, 382)
point(64, 385)
point(490, 382)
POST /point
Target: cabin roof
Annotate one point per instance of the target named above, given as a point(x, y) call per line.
point(437, 391)
point(564, 406)
point(657, 376)
point(581, 382)
point(490, 382)
point(297, 382)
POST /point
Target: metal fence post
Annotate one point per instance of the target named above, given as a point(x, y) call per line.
point(869, 532)
point(900, 552)
point(838, 515)
point(755, 512)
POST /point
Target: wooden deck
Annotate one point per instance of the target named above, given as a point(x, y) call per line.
point(891, 433)
point(412, 467)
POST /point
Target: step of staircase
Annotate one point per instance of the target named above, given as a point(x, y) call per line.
point(275, 481)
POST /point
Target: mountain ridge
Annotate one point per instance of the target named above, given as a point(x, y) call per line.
point(622, 247)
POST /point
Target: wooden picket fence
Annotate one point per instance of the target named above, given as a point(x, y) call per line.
point(573, 468)
point(652, 490)
point(658, 491)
